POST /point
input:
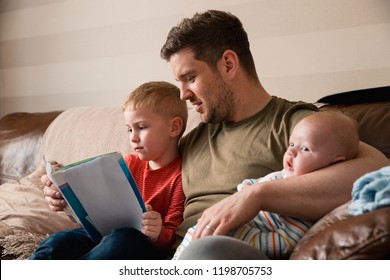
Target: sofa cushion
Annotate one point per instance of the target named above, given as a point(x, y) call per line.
point(83, 132)
point(339, 236)
point(23, 207)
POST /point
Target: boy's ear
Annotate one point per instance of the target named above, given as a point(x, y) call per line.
point(176, 126)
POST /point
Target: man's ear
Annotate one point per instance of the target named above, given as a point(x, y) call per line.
point(176, 126)
point(230, 62)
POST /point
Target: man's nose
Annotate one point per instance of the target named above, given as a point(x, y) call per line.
point(185, 92)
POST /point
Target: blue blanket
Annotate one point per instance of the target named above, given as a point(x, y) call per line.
point(371, 191)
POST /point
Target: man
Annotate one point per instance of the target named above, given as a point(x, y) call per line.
point(243, 135)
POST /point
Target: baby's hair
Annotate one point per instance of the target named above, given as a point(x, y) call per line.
point(162, 97)
point(345, 130)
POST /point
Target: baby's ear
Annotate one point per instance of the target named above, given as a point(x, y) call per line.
point(339, 159)
point(176, 126)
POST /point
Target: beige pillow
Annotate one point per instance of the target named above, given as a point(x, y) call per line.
point(83, 132)
point(23, 207)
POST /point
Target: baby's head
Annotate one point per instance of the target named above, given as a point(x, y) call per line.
point(319, 140)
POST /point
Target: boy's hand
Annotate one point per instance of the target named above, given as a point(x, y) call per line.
point(52, 195)
point(151, 223)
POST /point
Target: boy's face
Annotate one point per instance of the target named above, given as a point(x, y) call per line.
point(310, 148)
point(149, 133)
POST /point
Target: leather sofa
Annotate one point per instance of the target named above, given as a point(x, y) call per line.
point(82, 132)
point(21, 134)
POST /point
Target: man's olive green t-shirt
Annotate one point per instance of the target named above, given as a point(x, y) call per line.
point(217, 157)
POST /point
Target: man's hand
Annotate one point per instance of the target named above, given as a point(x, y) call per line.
point(228, 214)
point(151, 224)
point(52, 195)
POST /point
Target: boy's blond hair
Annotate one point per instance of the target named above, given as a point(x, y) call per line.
point(162, 97)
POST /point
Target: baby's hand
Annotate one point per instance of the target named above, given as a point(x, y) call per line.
point(151, 224)
point(246, 183)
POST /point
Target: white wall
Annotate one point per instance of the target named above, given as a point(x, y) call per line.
point(55, 54)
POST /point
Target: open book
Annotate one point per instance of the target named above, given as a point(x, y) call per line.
point(101, 192)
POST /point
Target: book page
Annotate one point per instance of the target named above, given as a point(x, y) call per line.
point(105, 194)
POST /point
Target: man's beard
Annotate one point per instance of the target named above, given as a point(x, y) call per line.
point(223, 109)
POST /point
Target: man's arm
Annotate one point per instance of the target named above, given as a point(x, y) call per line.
point(307, 197)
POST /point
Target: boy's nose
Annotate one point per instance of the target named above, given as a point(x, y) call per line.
point(134, 138)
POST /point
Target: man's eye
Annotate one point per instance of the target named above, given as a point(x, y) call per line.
point(190, 79)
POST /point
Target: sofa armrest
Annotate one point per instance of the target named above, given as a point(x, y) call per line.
point(339, 236)
point(20, 140)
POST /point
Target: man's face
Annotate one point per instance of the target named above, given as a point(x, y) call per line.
point(210, 96)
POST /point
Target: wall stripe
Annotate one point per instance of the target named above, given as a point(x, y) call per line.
point(326, 51)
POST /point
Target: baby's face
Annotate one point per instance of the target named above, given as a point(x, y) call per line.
point(310, 148)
